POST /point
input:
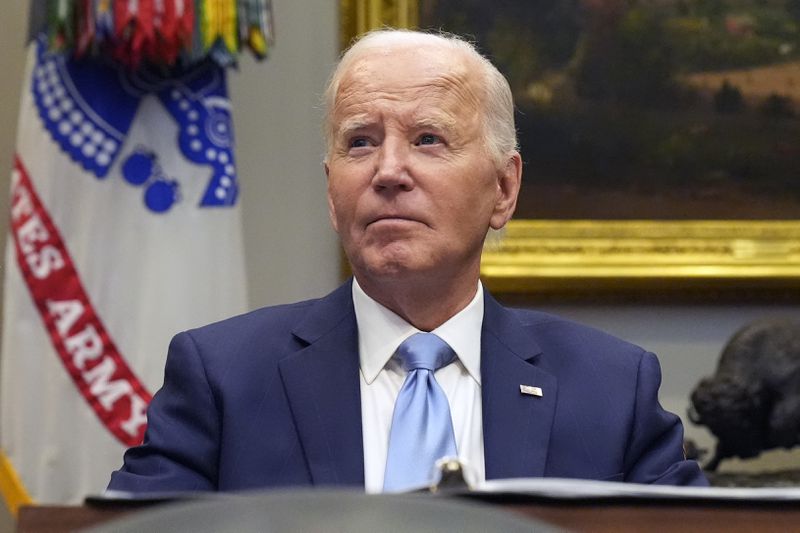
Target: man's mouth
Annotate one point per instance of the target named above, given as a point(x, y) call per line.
point(393, 218)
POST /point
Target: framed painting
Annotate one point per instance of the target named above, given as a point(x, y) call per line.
point(660, 140)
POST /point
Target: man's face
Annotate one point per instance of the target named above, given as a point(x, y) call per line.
point(412, 188)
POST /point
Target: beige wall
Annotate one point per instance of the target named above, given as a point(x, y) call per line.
point(291, 250)
point(13, 25)
point(13, 30)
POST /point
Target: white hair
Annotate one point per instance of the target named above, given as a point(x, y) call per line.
point(500, 134)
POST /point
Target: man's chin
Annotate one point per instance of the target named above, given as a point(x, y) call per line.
point(396, 267)
point(388, 270)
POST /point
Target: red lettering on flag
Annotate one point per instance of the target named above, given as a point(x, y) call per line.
point(81, 340)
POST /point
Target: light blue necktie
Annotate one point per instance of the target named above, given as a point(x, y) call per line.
point(422, 430)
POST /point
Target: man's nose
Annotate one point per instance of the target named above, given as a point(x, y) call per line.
point(392, 170)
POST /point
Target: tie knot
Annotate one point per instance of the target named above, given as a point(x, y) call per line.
point(425, 351)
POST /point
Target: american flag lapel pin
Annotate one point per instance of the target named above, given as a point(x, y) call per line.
point(531, 390)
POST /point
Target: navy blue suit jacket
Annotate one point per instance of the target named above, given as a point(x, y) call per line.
point(272, 399)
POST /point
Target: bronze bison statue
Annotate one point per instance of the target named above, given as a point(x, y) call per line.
point(752, 402)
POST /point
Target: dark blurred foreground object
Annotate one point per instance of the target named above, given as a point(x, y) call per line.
point(324, 511)
point(752, 402)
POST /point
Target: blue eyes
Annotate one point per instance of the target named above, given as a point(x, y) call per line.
point(359, 143)
point(426, 139)
point(429, 138)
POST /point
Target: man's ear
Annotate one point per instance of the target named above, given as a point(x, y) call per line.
point(331, 207)
point(509, 180)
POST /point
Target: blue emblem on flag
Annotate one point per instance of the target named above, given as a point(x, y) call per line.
point(89, 107)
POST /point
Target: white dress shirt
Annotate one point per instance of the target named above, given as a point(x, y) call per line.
point(380, 332)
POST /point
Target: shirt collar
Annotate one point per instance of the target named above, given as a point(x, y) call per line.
point(380, 332)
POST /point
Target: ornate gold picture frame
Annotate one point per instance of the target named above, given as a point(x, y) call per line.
point(534, 257)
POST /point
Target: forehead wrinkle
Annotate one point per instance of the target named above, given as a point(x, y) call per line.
point(437, 68)
point(435, 121)
point(446, 85)
point(438, 95)
point(457, 82)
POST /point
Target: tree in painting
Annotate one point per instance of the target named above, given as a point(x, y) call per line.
point(647, 108)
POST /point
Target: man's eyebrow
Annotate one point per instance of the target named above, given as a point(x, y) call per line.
point(352, 124)
point(441, 122)
point(438, 122)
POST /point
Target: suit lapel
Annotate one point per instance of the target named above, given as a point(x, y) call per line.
point(322, 384)
point(516, 426)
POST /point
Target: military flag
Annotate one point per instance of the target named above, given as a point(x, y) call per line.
point(124, 229)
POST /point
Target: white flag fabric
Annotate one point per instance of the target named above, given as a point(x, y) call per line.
point(124, 230)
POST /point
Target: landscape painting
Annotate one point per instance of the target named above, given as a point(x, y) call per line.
point(648, 109)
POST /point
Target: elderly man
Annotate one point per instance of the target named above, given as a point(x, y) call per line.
point(412, 360)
